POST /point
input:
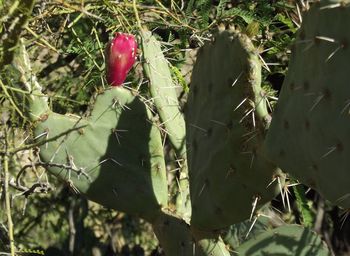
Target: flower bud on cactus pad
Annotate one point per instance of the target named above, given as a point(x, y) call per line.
point(120, 57)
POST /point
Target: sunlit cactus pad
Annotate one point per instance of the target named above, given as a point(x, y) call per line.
point(163, 90)
point(309, 136)
point(115, 156)
point(225, 122)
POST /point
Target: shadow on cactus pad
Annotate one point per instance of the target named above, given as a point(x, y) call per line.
point(114, 157)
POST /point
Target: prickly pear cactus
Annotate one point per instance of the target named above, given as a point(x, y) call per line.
point(114, 156)
point(309, 135)
point(225, 121)
point(285, 240)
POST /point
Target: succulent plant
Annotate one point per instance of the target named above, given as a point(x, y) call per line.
point(115, 157)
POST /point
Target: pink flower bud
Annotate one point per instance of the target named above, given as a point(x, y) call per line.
point(120, 57)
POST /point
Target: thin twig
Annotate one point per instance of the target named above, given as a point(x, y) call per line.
point(11, 100)
point(39, 143)
point(7, 198)
point(136, 14)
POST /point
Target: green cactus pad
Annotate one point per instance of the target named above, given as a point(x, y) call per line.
point(238, 233)
point(227, 170)
point(209, 243)
point(285, 240)
point(309, 134)
point(114, 156)
point(174, 235)
point(163, 91)
point(35, 101)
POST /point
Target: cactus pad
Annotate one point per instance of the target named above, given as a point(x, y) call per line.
point(226, 118)
point(163, 91)
point(174, 235)
point(309, 134)
point(114, 156)
point(164, 94)
point(285, 240)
